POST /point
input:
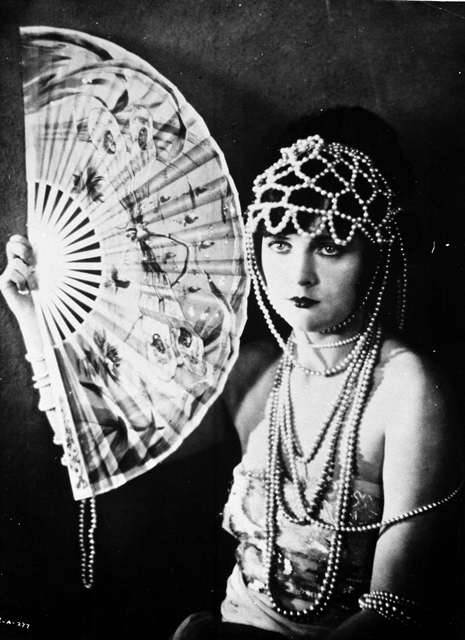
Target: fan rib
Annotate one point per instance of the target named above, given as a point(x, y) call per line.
point(59, 301)
point(87, 274)
point(80, 293)
point(55, 322)
point(89, 287)
point(83, 247)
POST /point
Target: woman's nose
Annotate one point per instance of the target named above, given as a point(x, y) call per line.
point(305, 269)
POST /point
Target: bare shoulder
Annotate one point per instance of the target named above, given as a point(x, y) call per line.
point(411, 377)
point(422, 433)
point(397, 357)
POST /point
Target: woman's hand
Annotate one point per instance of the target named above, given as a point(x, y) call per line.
point(18, 279)
point(16, 284)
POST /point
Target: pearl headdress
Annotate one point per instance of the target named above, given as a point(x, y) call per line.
point(343, 191)
point(338, 185)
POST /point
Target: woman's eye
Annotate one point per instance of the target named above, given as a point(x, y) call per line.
point(329, 249)
point(279, 246)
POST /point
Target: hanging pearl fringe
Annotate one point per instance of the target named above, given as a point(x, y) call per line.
point(402, 282)
point(87, 542)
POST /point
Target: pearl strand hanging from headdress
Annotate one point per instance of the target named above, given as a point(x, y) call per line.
point(402, 281)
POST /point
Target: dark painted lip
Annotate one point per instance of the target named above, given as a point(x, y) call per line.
point(302, 302)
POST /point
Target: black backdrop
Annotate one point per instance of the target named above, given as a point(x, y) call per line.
point(249, 67)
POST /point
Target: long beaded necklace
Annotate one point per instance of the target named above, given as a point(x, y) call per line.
point(346, 412)
point(344, 419)
point(345, 416)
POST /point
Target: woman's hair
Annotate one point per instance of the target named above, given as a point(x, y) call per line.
point(360, 129)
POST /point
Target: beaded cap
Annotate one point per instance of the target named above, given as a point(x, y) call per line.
point(337, 184)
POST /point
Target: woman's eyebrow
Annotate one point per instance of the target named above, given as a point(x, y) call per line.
point(268, 234)
point(324, 235)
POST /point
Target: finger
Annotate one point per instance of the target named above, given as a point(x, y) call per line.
point(26, 271)
point(31, 280)
point(19, 238)
point(20, 247)
point(17, 245)
point(17, 264)
point(14, 280)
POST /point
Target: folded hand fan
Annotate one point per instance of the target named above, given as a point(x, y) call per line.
point(136, 226)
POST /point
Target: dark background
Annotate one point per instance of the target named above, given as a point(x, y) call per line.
point(249, 67)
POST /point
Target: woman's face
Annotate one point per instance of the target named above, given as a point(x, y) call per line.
point(312, 283)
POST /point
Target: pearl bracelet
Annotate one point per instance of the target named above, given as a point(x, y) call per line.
point(41, 381)
point(33, 358)
point(393, 607)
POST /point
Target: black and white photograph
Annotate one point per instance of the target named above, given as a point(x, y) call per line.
point(232, 350)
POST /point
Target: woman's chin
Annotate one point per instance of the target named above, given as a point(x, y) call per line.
point(311, 324)
point(308, 324)
point(314, 319)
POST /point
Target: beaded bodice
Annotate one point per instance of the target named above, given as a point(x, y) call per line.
point(302, 550)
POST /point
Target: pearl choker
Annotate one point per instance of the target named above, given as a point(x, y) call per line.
point(329, 345)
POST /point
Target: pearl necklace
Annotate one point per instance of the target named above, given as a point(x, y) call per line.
point(329, 345)
point(345, 416)
point(87, 547)
point(346, 412)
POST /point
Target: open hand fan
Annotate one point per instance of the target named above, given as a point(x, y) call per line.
point(135, 223)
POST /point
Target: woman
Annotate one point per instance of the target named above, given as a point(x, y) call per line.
point(343, 502)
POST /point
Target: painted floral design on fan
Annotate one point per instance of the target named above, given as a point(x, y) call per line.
point(90, 182)
point(190, 348)
point(105, 361)
point(159, 348)
point(115, 281)
point(138, 232)
point(173, 341)
point(173, 344)
point(141, 131)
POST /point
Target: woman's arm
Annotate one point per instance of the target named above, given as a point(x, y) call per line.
point(368, 625)
point(416, 558)
point(16, 284)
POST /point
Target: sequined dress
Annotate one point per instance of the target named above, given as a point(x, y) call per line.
point(303, 550)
